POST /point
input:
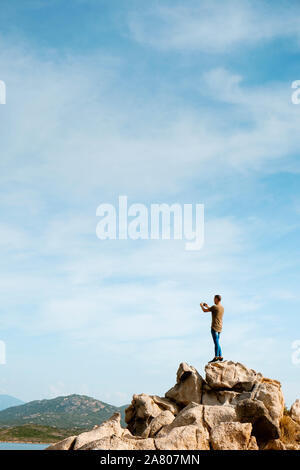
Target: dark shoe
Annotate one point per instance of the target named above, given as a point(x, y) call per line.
point(215, 359)
point(220, 358)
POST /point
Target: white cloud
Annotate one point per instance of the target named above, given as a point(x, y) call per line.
point(80, 134)
point(93, 288)
point(211, 26)
point(59, 389)
point(79, 130)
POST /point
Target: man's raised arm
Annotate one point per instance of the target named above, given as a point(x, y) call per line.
point(205, 307)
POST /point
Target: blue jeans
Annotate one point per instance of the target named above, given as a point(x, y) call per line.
point(216, 337)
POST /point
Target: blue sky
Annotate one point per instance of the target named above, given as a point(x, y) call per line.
point(185, 102)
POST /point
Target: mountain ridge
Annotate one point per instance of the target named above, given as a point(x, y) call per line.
point(64, 412)
point(7, 401)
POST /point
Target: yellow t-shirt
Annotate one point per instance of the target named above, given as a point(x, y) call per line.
point(217, 312)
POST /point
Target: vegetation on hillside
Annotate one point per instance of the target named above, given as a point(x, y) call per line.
point(35, 433)
point(62, 412)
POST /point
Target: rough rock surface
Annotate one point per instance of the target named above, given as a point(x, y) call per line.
point(269, 392)
point(232, 436)
point(255, 412)
point(276, 444)
point(184, 438)
point(295, 411)
point(233, 408)
point(143, 409)
point(188, 386)
point(222, 397)
point(231, 375)
point(65, 444)
point(117, 443)
point(163, 419)
point(190, 414)
point(215, 415)
point(110, 427)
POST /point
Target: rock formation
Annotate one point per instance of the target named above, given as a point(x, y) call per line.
point(295, 411)
point(233, 408)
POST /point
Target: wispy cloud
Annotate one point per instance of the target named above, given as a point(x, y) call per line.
point(211, 26)
point(87, 135)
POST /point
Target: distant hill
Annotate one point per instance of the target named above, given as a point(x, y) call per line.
point(61, 412)
point(7, 400)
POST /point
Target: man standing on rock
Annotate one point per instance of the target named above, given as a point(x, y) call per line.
point(217, 312)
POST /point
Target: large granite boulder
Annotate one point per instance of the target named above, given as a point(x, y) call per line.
point(215, 415)
point(143, 409)
point(231, 375)
point(65, 444)
point(189, 437)
point(229, 383)
point(295, 411)
point(269, 392)
point(163, 419)
point(205, 417)
point(222, 397)
point(191, 414)
point(255, 412)
point(188, 386)
point(110, 427)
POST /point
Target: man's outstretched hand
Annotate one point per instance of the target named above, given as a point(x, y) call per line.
point(204, 307)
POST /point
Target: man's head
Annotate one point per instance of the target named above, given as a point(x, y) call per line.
point(217, 299)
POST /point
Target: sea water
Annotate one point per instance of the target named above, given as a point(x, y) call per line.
point(21, 446)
